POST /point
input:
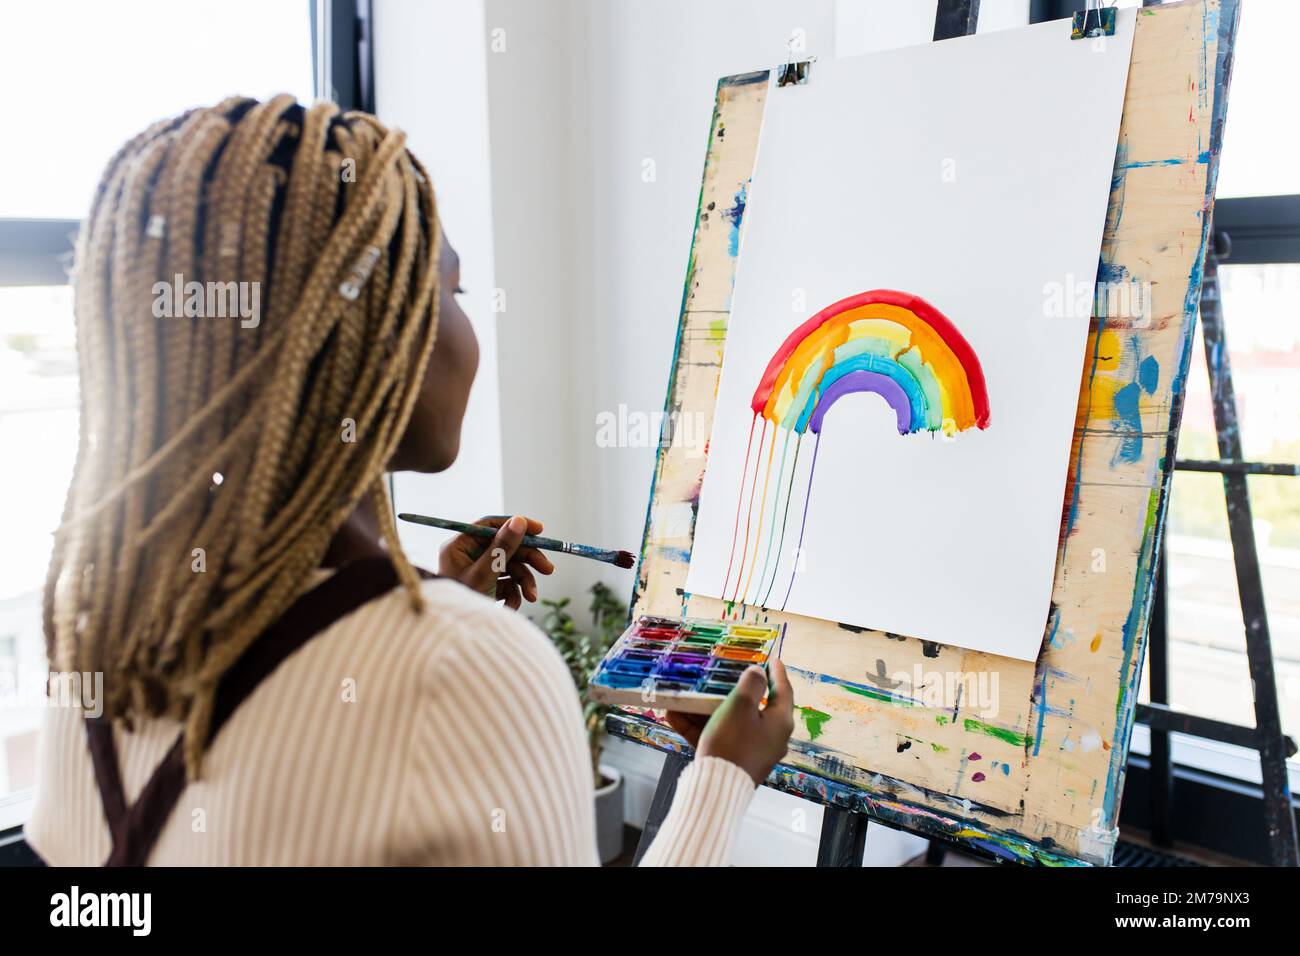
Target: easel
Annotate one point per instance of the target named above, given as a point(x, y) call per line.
point(1060, 742)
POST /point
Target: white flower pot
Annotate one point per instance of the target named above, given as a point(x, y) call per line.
point(609, 815)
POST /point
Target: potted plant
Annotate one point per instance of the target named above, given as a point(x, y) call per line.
point(583, 654)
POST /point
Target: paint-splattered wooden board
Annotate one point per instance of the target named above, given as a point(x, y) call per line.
point(1039, 781)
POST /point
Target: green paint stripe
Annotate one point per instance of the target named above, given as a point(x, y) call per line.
point(874, 695)
point(1007, 736)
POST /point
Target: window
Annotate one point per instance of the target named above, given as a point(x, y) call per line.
point(82, 76)
point(1257, 207)
point(1260, 288)
point(1207, 651)
point(1259, 145)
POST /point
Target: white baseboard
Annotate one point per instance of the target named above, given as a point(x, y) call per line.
point(779, 829)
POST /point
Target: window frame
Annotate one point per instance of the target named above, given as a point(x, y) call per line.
point(344, 72)
point(1261, 230)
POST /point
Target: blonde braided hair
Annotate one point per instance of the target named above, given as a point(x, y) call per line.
point(199, 432)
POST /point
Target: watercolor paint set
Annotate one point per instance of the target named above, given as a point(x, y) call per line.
point(689, 665)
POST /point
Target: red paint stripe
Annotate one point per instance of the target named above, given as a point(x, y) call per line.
point(749, 515)
point(915, 304)
point(735, 532)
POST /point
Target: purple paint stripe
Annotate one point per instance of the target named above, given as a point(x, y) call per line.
point(803, 524)
point(865, 381)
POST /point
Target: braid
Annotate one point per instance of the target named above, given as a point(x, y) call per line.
point(212, 467)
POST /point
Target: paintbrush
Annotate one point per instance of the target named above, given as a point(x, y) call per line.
point(623, 559)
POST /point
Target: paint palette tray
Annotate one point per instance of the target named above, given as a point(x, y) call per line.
point(689, 665)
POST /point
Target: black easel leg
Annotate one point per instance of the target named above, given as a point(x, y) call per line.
point(1278, 814)
point(674, 764)
point(844, 838)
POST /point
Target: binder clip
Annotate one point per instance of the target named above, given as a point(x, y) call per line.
point(1093, 21)
point(792, 72)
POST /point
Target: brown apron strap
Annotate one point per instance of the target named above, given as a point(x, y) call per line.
point(99, 734)
point(135, 829)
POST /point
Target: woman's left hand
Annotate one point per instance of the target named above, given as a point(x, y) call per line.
point(501, 568)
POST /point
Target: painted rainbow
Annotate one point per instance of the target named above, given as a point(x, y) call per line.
point(892, 344)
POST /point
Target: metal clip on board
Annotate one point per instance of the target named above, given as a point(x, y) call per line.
point(792, 72)
point(1093, 21)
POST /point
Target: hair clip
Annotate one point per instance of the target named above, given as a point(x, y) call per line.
point(365, 264)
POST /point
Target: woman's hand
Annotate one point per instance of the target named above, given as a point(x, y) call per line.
point(499, 568)
point(739, 731)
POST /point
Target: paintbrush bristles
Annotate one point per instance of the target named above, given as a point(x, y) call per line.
point(624, 559)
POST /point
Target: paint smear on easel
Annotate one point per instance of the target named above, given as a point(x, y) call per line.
point(813, 720)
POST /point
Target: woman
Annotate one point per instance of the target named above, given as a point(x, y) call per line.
point(281, 686)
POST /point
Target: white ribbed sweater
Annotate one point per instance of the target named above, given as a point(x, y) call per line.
point(453, 737)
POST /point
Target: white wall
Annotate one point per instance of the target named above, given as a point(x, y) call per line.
point(431, 80)
point(536, 77)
